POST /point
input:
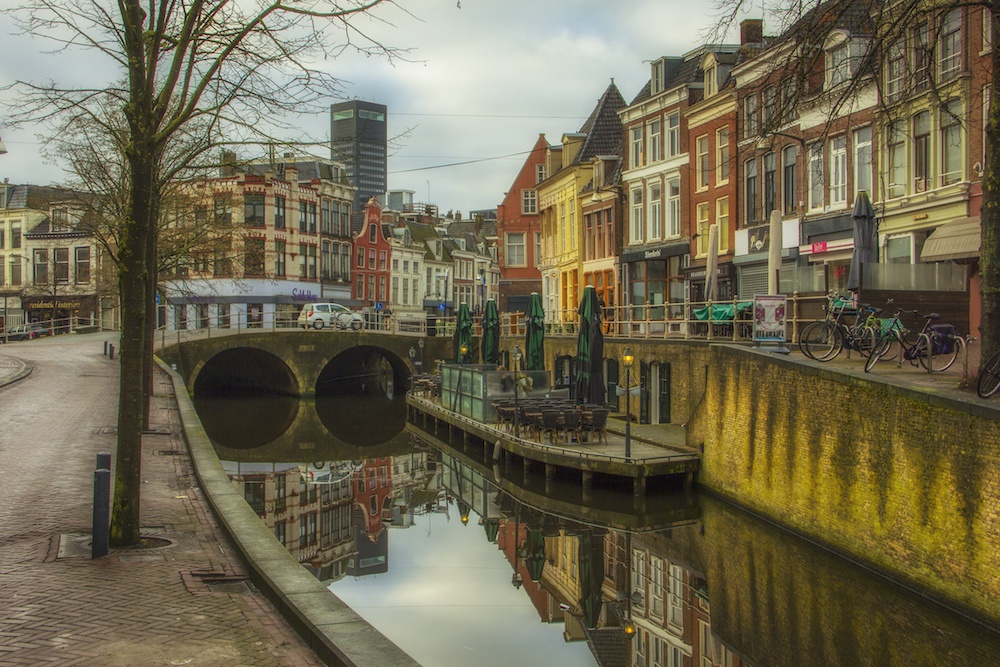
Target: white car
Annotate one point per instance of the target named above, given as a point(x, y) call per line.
point(319, 315)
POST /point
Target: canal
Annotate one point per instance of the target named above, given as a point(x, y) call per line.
point(459, 565)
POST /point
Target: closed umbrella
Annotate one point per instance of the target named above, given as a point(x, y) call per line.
point(463, 335)
point(712, 264)
point(491, 333)
point(590, 350)
point(865, 247)
point(534, 344)
point(590, 559)
point(535, 557)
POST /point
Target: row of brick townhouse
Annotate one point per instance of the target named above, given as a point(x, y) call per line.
point(727, 134)
point(52, 268)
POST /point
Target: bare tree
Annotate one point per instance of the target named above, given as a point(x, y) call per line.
point(905, 56)
point(190, 73)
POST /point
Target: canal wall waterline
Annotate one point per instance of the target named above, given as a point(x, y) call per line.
point(896, 478)
point(335, 632)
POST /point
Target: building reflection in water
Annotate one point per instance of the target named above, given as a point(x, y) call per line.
point(685, 581)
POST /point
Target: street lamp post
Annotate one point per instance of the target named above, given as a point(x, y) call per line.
point(515, 356)
point(627, 359)
point(413, 353)
point(420, 344)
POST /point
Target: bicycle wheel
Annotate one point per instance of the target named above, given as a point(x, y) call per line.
point(989, 377)
point(821, 342)
point(864, 339)
point(882, 345)
point(935, 362)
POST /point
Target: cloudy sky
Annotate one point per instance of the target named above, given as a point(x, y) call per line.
point(485, 78)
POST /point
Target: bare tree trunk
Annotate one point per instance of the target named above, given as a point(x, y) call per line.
point(989, 253)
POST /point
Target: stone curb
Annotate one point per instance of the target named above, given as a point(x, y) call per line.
point(20, 374)
point(335, 632)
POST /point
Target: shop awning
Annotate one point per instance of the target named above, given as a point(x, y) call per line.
point(958, 239)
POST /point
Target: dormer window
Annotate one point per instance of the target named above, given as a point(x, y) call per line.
point(710, 69)
point(841, 55)
point(656, 82)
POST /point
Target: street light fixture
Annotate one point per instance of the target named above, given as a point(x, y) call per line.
point(515, 356)
point(413, 353)
point(628, 359)
point(420, 344)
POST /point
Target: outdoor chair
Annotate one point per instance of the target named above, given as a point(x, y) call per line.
point(550, 425)
point(597, 424)
point(572, 420)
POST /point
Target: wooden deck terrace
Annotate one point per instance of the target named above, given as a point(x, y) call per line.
point(596, 462)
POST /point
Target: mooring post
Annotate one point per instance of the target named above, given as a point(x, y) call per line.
point(111, 351)
point(102, 511)
point(105, 348)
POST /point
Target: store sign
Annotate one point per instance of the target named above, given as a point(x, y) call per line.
point(303, 295)
point(49, 305)
point(818, 247)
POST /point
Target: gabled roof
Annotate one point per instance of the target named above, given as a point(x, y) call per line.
point(603, 128)
point(687, 72)
point(308, 170)
point(425, 234)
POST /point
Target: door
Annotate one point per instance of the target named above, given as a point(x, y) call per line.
point(644, 393)
point(664, 394)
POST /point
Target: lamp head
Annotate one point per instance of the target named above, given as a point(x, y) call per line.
point(464, 349)
point(629, 629)
point(412, 353)
point(628, 357)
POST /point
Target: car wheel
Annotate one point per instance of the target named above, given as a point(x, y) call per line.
point(318, 324)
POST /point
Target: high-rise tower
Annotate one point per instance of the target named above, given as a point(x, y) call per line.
point(358, 140)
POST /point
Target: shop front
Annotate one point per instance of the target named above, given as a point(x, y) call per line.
point(827, 245)
point(64, 310)
point(654, 282)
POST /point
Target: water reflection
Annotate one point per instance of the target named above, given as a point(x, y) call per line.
point(458, 565)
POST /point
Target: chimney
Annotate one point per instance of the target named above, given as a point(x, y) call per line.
point(751, 31)
point(228, 166)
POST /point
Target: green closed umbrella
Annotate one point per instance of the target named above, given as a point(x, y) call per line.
point(590, 350)
point(534, 344)
point(590, 559)
point(463, 335)
point(535, 558)
point(491, 333)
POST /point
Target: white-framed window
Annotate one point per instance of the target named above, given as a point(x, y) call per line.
point(789, 193)
point(987, 29)
point(656, 81)
point(722, 222)
point(816, 176)
point(636, 134)
point(655, 134)
point(675, 596)
point(896, 149)
point(750, 119)
point(654, 222)
point(656, 587)
point(950, 46)
point(538, 247)
point(895, 70)
point(863, 160)
point(921, 155)
point(701, 166)
point(921, 55)
point(710, 82)
point(951, 142)
point(770, 184)
point(673, 134)
point(529, 201)
point(750, 190)
point(541, 172)
point(637, 219)
point(702, 221)
point(515, 250)
point(769, 103)
point(838, 171)
point(673, 221)
point(722, 156)
point(838, 64)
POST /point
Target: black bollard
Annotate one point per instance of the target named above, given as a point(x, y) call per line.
point(103, 461)
point(102, 513)
point(105, 348)
point(111, 351)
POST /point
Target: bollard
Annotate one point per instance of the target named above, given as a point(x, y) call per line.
point(105, 348)
point(111, 351)
point(102, 512)
point(103, 461)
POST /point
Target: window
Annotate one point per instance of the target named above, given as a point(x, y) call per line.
point(921, 58)
point(395, 289)
point(769, 102)
point(987, 29)
point(673, 134)
point(951, 142)
point(515, 250)
point(529, 201)
point(702, 222)
point(722, 222)
point(371, 234)
point(655, 141)
point(839, 65)
point(921, 151)
point(222, 210)
point(15, 235)
point(312, 217)
point(788, 191)
point(750, 127)
point(895, 70)
point(722, 156)
point(382, 260)
point(816, 176)
point(303, 261)
point(897, 159)
point(253, 209)
point(538, 247)
point(637, 222)
point(654, 221)
point(541, 172)
point(303, 217)
point(673, 227)
point(279, 259)
point(81, 257)
point(15, 271)
point(770, 184)
point(253, 250)
point(950, 50)
point(381, 288)
point(41, 262)
point(750, 180)
point(279, 212)
point(371, 258)
point(702, 164)
point(60, 264)
point(324, 218)
point(656, 81)
point(838, 171)
point(636, 133)
point(863, 160)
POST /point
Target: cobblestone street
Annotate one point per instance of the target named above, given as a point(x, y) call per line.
point(180, 603)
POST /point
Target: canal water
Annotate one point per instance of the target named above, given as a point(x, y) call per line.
point(459, 565)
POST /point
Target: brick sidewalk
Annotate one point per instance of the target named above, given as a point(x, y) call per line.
point(181, 603)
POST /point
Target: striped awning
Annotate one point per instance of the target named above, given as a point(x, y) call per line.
point(958, 239)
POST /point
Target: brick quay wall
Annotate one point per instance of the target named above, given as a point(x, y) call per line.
point(901, 480)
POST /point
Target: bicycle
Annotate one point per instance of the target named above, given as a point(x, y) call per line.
point(824, 339)
point(935, 348)
point(989, 377)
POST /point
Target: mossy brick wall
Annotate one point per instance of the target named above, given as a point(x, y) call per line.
point(907, 484)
